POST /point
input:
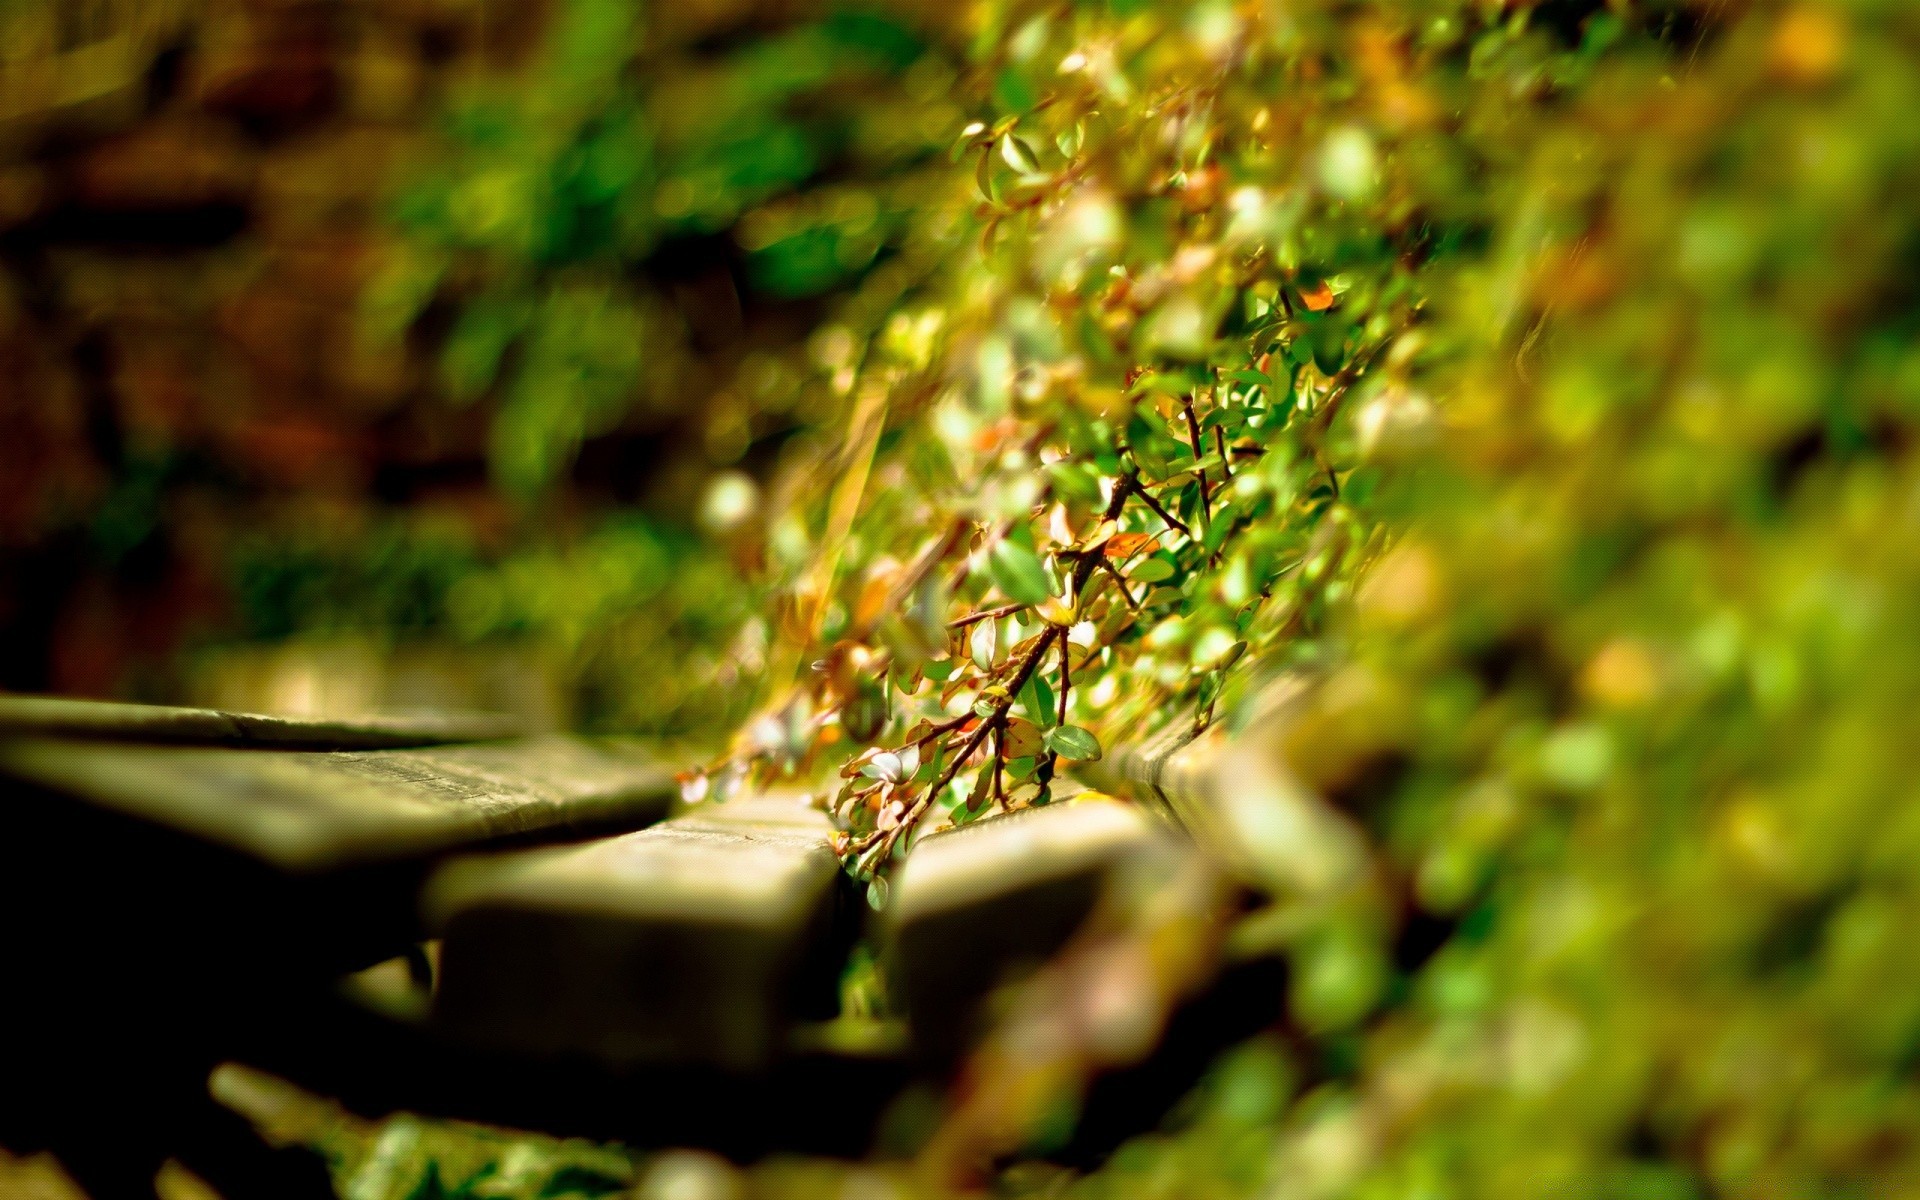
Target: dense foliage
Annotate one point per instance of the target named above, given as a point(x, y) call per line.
point(1564, 363)
point(1531, 386)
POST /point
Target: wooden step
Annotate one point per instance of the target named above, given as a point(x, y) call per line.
point(984, 904)
point(307, 813)
point(171, 905)
point(1227, 787)
point(106, 720)
point(287, 863)
point(699, 940)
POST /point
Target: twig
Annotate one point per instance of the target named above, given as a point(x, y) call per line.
point(1066, 676)
point(991, 614)
point(987, 726)
point(1220, 440)
point(1173, 522)
point(1193, 433)
point(1120, 582)
point(944, 727)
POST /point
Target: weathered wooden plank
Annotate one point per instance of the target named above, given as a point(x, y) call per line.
point(978, 906)
point(307, 813)
point(104, 720)
point(170, 906)
point(699, 940)
point(1227, 787)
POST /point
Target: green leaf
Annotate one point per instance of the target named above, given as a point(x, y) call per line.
point(1222, 524)
point(1257, 378)
point(1163, 382)
point(1151, 570)
point(877, 893)
point(938, 669)
point(1019, 154)
point(1017, 572)
point(984, 643)
point(966, 141)
point(1071, 741)
point(1037, 696)
point(1076, 481)
point(983, 176)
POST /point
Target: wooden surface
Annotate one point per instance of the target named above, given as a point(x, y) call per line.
point(981, 905)
point(698, 940)
point(311, 812)
point(105, 720)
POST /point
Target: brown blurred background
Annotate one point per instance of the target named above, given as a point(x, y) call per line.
point(244, 461)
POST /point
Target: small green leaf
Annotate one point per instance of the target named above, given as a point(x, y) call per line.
point(1071, 741)
point(1222, 524)
point(1151, 570)
point(1019, 154)
point(877, 893)
point(984, 643)
point(983, 177)
point(982, 783)
point(1075, 481)
point(938, 669)
point(1038, 697)
point(1164, 383)
point(965, 141)
point(1017, 572)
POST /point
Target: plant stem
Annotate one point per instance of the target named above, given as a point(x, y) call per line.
point(912, 816)
point(1134, 485)
point(1120, 581)
point(1066, 671)
point(1193, 433)
point(991, 614)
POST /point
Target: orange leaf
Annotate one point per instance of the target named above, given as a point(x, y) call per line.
point(1317, 296)
point(1126, 545)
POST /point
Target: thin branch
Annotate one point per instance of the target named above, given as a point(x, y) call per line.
point(991, 614)
point(1120, 582)
point(1220, 441)
point(945, 727)
point(912, 816)
point(1173, 522)
point(1193, 432)
point(1066, 675)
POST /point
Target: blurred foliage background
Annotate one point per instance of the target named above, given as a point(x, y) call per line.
point(1575, 342)
point(392, 329)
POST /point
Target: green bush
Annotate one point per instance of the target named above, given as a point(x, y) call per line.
point(1536, 382)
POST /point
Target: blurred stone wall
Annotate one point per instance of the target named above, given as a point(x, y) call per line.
point(191, 195)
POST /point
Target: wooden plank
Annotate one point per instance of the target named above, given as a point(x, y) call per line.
point(60, 716)
point(981, 905)
point(171, 906)
point(308, 813)
point(699, 940)
point(1227, 787)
